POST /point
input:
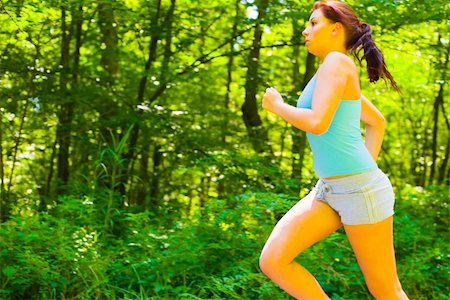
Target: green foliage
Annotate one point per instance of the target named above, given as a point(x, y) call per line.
point(212, 254)
point(423, 243)
point(166, 198)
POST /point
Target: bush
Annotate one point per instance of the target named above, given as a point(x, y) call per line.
point(212, 254)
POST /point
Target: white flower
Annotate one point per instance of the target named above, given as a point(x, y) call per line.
point(143, 107)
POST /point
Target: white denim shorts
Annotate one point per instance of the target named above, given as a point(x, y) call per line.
point(365, 198)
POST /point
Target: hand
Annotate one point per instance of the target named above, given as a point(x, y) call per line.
point(271, 99)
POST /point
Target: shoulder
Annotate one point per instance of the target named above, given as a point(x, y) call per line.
point(338, 58)
point(337, 62)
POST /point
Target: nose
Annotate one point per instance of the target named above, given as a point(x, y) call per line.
point(304, 33)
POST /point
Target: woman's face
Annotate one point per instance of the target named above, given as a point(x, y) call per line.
point(318, 33)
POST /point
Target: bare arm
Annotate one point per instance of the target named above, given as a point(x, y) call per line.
point(330, 85)
point(375, 125)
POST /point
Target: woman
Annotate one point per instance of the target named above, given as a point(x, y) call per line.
point(352, 191)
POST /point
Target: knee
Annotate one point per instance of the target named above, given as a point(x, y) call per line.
point(269, 263)
point(265, 263)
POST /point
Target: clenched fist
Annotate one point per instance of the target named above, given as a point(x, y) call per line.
point(271, 99)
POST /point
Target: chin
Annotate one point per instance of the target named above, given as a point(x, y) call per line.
point(311, 51)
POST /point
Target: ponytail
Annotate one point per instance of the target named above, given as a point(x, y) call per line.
point(359, 37)
point(375, 64)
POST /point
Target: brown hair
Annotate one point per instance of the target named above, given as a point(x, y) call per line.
point(358, 37)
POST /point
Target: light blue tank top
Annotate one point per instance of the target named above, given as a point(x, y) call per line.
point(341, 149)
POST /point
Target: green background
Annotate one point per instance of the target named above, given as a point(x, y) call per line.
point(136, 161)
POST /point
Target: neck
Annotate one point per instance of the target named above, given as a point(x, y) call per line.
point(340, 49)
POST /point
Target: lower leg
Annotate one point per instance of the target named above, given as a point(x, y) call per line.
point(374, 250)
point(396, 295)
point(388, 290)
point(295, 280)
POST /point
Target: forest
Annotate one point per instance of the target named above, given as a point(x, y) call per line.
point(136, 161)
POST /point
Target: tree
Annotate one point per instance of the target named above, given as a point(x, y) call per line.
point(250, 115)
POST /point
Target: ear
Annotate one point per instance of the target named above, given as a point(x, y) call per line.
point(338, 28)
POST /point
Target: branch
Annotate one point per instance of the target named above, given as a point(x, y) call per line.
point(203, 58)
point(9, 15)
point(246, 49)
point(445, 115)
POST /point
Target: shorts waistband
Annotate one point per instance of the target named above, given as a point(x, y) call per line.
point(342, 185)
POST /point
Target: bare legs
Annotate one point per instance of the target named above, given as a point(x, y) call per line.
point(374, 250)
point(304, 224)
point(310, 221)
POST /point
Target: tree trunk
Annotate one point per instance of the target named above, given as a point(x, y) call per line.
point(444, 170)
point(108, 28)
point(226, 103)
point(155, 37)
point(166, 31)
point(144, 176)
point(157, 158)
point(299, 137)
point(78, 23)
point(51, 168)
point(257, 133)
point(168, 23)
point(109, 60)
point(66, 110)
point(415, 154)
point(422, 177)
point(157, 31)
point(154, 187)
point(110, 64)
point(437, 104)
point(7, 203)
point(7, 200)
point(65, 113)
point(2, 169)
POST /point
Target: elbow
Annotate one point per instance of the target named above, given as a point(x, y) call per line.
point(378, 122)
point(319, 128)
point(378, 125)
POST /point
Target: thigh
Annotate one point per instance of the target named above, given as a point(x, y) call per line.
point(307, 222)
point(374, 249)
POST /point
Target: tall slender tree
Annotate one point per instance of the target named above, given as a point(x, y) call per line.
point(252, 120)
point(155, 38)
point(65, 113)
point(299, 137)
point(438, 104)
point(230, 63)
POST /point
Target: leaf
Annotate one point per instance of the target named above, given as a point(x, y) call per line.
point(9, 271)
